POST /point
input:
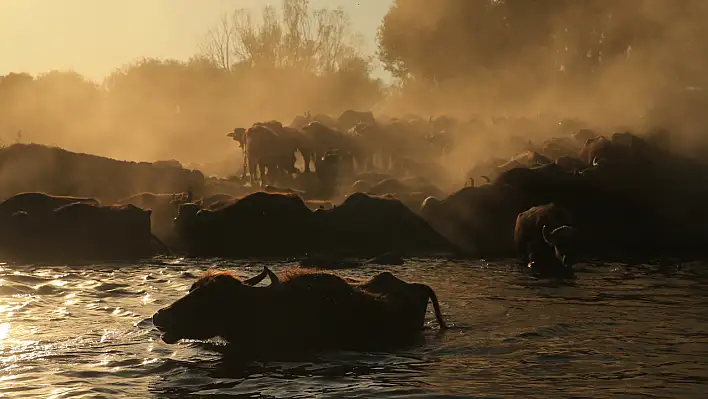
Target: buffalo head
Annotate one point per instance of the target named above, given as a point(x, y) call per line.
point(200, 313)
point(237, 135)
point(562, 240)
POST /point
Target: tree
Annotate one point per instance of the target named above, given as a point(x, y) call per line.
point(316, 41)
point(577, 38)
point(461, 51)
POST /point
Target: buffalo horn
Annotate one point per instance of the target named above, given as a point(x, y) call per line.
point(274, 280)
point(544, 233)
point(257, 279)
point(561, 229)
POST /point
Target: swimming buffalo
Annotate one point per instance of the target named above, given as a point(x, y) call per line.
point(479, 220)
point(258, 224)
point(302, 311)
point(35, 202)
point(81, 231)
point(367, 226)
point(544, 238)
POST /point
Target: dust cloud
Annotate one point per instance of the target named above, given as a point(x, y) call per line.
point(613, 65)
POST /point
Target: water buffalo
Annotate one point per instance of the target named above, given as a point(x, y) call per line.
point(366, 226)
point(350, 118)
point(291, 140)
point(479, 219)
point(598, 148)
point(263, 152)
point(152, 200)
point(558, 147)
point(301, 121)
point(80, 231)
point(530, 159)
point(324, 139)
point(238, 135)
point(389, 186)
point(164, 208)
point(570, 164)
point(34, 203)
point(361, 186)
point(302, 310)
point(215, 201)
point(583, 135)
point(259, 224)
point(170, 163)
point(544, 238)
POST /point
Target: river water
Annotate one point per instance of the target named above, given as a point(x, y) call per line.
point(614, 331)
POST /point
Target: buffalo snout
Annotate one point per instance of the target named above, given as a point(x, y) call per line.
point(164, 322)
point(161, 318)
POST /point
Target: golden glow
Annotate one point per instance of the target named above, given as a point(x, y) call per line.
point(91, 36)
point(4, 331)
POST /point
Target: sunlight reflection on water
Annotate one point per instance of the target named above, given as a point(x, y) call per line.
point(614, 331)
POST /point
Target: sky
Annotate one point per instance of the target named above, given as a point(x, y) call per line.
point(94, 37)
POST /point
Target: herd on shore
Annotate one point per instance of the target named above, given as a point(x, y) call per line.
point(575, 197)
point(374, 192)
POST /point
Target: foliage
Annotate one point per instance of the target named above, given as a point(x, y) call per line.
point(316, 41)
point(290, 63)
point(516, 47)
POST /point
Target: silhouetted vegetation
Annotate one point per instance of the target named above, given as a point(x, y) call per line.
point(615, 63)
point(292, 61)
point(585, 57)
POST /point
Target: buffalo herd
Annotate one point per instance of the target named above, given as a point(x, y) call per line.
point(381, 189)
point(366, 188)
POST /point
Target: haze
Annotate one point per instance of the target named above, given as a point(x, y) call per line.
point(614, 65)
point(94, 38)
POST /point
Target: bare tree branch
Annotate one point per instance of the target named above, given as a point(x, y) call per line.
point(317, 41)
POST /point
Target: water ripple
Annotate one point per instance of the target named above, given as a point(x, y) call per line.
point(614, 331)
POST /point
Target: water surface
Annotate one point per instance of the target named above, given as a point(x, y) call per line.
point(614, 331)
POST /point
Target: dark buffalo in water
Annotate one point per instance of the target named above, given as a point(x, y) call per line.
point(80, 231)
point(40, 203)
point(598, 148)
point(367, 226)
point(583, 135)
point(557, 147)
point(480, 220)
point(571, 164)
point(164, 208)
point(152, 200)
point(259, 224)
point(277, 224)
point(302, 311)
point(544, 238)
point(215, 201)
